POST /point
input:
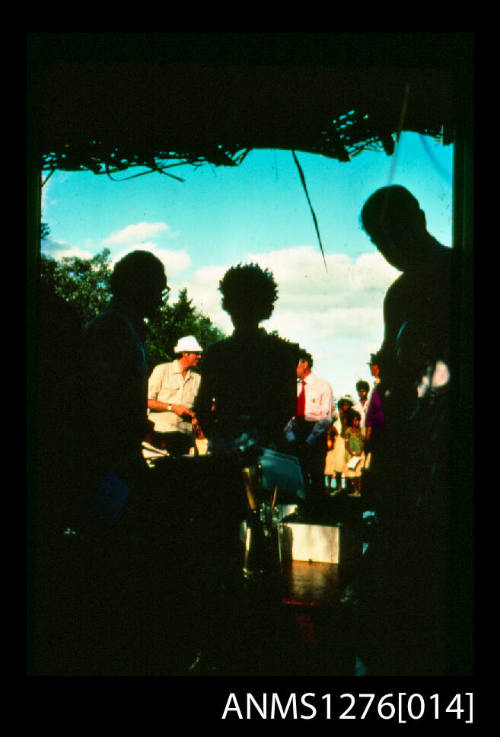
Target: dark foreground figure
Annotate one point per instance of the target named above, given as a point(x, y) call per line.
point(109, 591)
point(403, 591)
point(134, 569)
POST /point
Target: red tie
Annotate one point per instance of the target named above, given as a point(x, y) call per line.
point(301, 401)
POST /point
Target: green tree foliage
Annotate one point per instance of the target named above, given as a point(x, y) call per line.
point(84, 283)
point(175, 321)
point(44, 230)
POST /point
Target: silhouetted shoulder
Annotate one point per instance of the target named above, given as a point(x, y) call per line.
point(259, 344)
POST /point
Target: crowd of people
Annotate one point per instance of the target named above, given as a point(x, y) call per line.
point(350, 437)
point(332, 440)
point(252, 390)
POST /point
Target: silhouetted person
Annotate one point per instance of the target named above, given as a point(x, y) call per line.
point(132, 599)
point(93, 395)
point(418, 305)
point(415, 359)
point(115, 370)
point(248, 385)
point(246, 396)
point(405, 568)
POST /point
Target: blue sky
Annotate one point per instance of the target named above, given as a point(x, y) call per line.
point(220, 216)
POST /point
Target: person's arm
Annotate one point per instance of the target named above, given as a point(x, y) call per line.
point(204, 400)
point(321, 426)
point(180, 409)
point(289, 431)
point(394, 311)
point(158, 377)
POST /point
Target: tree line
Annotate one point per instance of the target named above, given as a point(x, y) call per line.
point(85, 285)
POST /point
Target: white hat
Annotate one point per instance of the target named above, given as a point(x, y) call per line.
point(347, 398)
point(189, 344)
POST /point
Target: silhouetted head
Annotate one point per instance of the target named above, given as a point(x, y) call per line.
point(304, 364)
point(139, 280)
point(393, 220)
point(248, 294)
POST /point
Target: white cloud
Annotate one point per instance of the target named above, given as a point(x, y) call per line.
point(139, 233)
point(302, 270)
point(202, 288)
point(136, 237)
point(60, 249)
point(336, 314)
point(174, 261)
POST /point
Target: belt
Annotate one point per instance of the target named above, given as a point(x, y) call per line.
point(160, 440)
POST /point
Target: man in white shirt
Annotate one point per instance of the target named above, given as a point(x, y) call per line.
point(172, 389)
point(307, 430)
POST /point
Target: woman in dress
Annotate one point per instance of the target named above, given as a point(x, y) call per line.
point(335, 465)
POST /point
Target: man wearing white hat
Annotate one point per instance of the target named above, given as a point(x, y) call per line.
point(172, 389)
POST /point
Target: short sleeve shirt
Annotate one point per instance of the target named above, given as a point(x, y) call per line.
point(166, 384)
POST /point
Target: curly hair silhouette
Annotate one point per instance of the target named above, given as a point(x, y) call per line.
point(248, 293)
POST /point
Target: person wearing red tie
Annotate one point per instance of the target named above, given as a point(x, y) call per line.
point(307, 431)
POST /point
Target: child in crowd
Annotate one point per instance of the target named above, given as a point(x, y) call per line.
point(331, 454)
point(335, 466)
point(354, 451)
